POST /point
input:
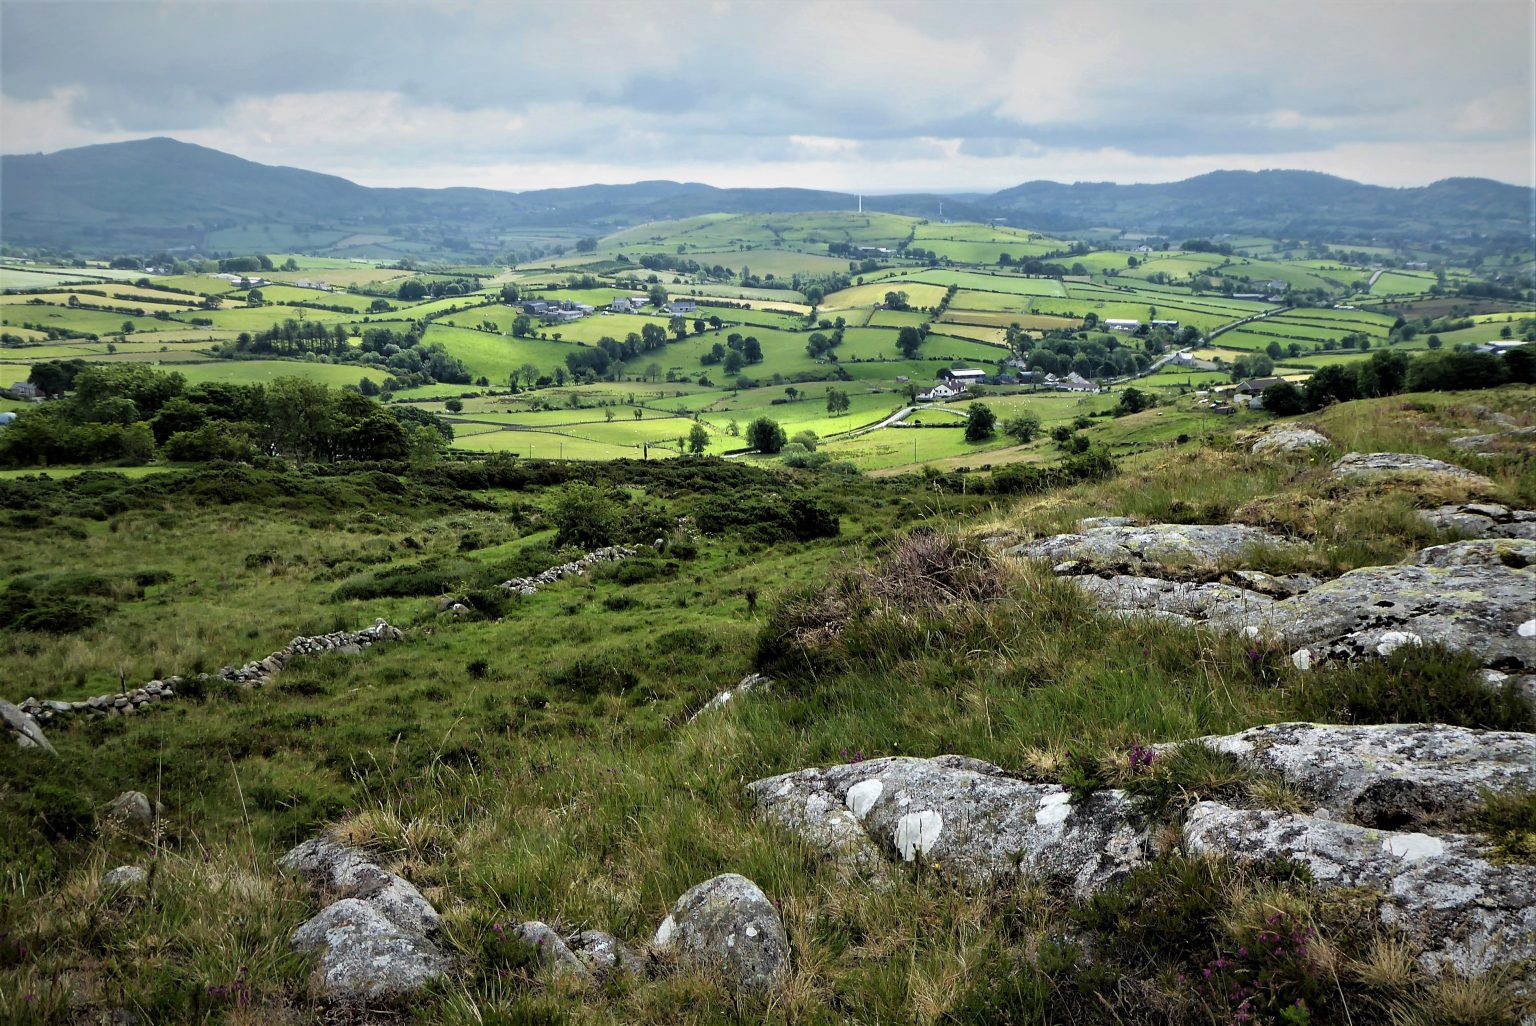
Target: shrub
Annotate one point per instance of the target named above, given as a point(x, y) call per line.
point(585, 517)
point(605, 673)
point(1415, 684)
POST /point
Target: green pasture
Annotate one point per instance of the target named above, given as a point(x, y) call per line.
point(496, 356)
point(1403, 283)
point(75, 319)
point(257, 318)
point(918, 295)
point(994, 301)
point(256, 372)
point(280, 294)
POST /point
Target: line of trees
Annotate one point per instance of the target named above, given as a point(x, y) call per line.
point(131, 413)
point(1389, 372)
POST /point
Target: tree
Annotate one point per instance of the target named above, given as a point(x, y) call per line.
point(454, 405)
point(585, 516)
point(909, 340)
point(837, 401)
point(509, 294)
point(1022, 428)
point(658, 296)
point(411, 290)
point(1134, 400)
point(896, 301)
point(253, 297)
point(1283, 399)
point(766, 436)
point(678, 325)
point(792, 393)
point(1434, 342)
point(530, 374)
point(522, 325)
point(980, 422)
point(586, 245)
point(698, 439)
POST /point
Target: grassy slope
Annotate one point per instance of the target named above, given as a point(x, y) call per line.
point(540, 766)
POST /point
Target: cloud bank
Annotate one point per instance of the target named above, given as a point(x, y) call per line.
point(961, 95)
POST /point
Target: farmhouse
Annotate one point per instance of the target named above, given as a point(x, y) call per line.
point(960, 377)
point(938, 393)
point(26, 390)
point(681, 306)
point(1186, 358)
point(1116, 324)
point(1255, 386)
point(1075, 382)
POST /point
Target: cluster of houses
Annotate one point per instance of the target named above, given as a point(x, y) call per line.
point(955, 382)
point(1126, 324)
point(562, 311)
point(1226, 401)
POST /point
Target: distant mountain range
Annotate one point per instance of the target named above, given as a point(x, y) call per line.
point(160, 193)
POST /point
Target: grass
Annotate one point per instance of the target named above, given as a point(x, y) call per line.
point(536, 761)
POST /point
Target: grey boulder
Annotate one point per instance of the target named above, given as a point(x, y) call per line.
point(1482, 520)
point(24, 728)
point(365, 957)
point(726, 926)
point(352, 874)
point(125, 877)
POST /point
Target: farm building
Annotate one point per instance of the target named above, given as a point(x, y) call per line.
point(960, 377)
point(1170, 325)
point(681, 306)
point(939, 393)
point(1254, 387)
point(26, 390)
point(1118, 324)
point(1501, 345)
point(1075, 382)
point(534, 306)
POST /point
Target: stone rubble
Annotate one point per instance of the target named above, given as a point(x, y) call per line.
point(373, 942)
point(579, 567)
point(253, 674)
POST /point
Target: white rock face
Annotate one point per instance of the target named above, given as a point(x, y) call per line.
point(965, 814)
point(1466, 913)
point(125, 876)
point(727, 925)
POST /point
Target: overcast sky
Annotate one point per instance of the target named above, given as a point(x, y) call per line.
point(856, 95)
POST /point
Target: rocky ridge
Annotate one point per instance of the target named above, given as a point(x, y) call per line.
point(1466, 911)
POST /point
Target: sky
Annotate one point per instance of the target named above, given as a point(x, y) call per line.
point(872, 96)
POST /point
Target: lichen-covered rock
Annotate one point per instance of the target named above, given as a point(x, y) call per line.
point(1468, 914)
point(1478, 608)
point(365, 957)
point(125, 877)
point(1389, 776)
point(1516, 553)
point(1378, 464)
point(23, 728)
point(131, 809)
point(1288, 439)
point(1152, 546)
point(550, 953)
point(352, 874)
point(727, 926)
point(1483, 520)
point(604, 955)
point(1223, 604)
point(965, 815)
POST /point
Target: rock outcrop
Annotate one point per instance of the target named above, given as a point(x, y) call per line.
point(579, 567)
point(1155, 546)
point(1478, 596)
point(1464, 912)
point(727, 926)
point(1383, 464)
point(1388, 776)
point(132, 809)
point(1292, 438)
point(962, 814)
point(126, 877)
point(373, 943)
point(1483, 520)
